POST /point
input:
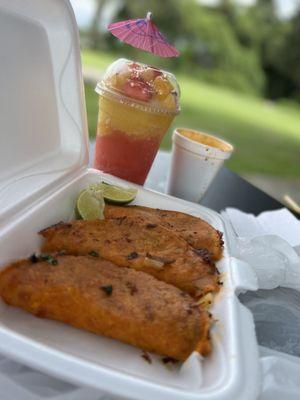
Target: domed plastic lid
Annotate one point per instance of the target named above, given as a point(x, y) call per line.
point(140, 85)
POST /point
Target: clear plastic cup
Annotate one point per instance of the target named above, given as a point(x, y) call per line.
point(137, 104)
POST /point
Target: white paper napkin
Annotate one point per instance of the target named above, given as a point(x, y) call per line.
point(278, 222)
point(270, 243)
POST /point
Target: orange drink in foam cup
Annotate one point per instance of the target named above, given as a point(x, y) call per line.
point(137, 104)
point(196, 159)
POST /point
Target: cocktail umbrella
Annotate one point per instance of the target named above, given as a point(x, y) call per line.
point(143, 34)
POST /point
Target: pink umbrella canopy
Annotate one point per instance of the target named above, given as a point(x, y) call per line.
point(143, 34)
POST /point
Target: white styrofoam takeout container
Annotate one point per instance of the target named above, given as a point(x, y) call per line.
point(43, 166)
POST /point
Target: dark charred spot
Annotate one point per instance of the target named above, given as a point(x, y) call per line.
point(204, 254)
point(132, 288)
point(151, 226)
point(167, 360)
point(221, 241)
point(107, 289)
point(33, 258)
point(133, 255)
point(167, 261)
point(94, 253)
point(62, 253)
point(128, 240)
point(41, 313)
point(145, 355)
point(120, 220)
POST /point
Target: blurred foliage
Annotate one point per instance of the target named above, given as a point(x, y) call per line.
point(260, 29)
point(288, 59)
point(248, 49)
point(265, 135)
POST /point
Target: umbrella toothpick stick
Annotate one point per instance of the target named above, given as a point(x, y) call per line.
point(149, 16)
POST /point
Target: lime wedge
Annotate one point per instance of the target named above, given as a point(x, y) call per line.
point(77, 213)
point(90, 204)
point(115, 194)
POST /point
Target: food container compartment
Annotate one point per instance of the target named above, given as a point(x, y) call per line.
point(43, 168)
point(231, 371)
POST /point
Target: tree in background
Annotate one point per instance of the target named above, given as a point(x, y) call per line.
point(289, 60)
point(248, 49)
point(260, 29)
point(95, 37)
point(231, 64)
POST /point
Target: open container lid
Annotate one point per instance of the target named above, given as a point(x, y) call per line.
point(43, 130)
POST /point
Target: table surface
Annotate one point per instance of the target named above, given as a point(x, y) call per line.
point(227, 189)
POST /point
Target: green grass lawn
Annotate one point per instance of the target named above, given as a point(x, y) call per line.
point(266, 135)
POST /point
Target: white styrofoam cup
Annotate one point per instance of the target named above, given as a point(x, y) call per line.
point(194, 165)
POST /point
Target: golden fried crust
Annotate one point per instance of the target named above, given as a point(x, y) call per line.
point(128, 242)
point(121, 303)
point(198, 233)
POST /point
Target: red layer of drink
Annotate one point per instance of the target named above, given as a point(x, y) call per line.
point(125, 156)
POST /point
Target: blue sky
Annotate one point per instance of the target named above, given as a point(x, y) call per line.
point(84, 9)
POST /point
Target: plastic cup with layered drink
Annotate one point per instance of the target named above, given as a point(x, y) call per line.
point(137, 104)
point(196, 159)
